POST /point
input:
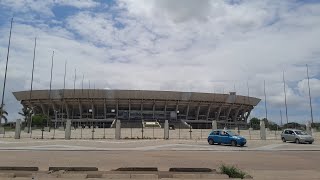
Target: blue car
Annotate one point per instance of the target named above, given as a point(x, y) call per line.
point(225, 137)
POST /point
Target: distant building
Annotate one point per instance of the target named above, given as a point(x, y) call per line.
point(133, 107)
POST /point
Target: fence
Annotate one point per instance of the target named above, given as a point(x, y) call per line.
point(137, 133)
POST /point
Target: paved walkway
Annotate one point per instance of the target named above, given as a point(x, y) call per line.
point(270, 159)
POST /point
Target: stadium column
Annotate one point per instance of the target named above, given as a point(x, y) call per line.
point(80, 109)
point(208, 112)
point(198, 111)
point(153, 109)
point(105, 109)
point(141, 110)
point(242, 115)
point(165, 110)
point(129, 115)
point(55, 110)
point(236, 114)
point(177, 109)
point(217, 118)
point(117, 111)
point(67, 110)
point(92, 108)
point(42, 107)
point(249, 111)
point(228, 113)
point(187, 113)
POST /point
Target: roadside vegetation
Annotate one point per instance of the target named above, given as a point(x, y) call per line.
point(232, 171)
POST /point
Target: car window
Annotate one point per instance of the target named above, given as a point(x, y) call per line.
point(286, 132)
point(290, 132)
point(222, 133)
point(301, 133)
point(216, 132)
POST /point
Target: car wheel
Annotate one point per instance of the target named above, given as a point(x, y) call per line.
point(211, 142)
point(310, 142)
point(283, 139)
point(233, 143)
point(297, 141)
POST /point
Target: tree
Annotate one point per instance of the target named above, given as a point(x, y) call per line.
point(39, 120)
point(3, 115)
point(26, 113)
point(254, 123)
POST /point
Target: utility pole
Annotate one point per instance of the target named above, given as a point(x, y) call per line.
point(285, 97)
point(31, 84)
point(281, 117)
point(311, 113)
point(50, 87)
point(5, 73)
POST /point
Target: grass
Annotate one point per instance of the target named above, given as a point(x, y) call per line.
point(232, 171)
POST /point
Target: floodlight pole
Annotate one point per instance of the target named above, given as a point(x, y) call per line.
point(311, 113)
point(5, 73)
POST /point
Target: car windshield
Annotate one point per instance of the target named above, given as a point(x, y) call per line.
point(301, 133)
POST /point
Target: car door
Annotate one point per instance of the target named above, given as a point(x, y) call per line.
point(291, 135)
point(285, 134)
point(216, 136)
point(224, 138)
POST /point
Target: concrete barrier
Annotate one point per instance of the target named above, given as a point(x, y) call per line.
point(68, 130)
point(186, 176)
point(118, 130)
point(7, 175)
point(263, 135)
point(214, 176)
point(116, 176)
point(18, 129)
point(144, 176)
point(73, 176)
point(166, 129)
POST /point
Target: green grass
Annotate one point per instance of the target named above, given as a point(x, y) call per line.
point(232, 171)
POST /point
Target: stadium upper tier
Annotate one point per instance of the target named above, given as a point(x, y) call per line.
point(99, 105)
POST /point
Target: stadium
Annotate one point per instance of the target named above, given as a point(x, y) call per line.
point(139, 108)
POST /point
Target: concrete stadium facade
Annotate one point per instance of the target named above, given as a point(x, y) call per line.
point(97, 107)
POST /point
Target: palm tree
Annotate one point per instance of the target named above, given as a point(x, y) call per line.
point(3, 115)
point(26, 112)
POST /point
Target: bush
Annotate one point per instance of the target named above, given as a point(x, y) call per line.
point(232, 171)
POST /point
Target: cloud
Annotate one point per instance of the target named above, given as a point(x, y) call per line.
point(314, 87)
point(78, 3)
point(206, 46)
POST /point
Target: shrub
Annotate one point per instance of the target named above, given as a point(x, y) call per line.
point(232, 171)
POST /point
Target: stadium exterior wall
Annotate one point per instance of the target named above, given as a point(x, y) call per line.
point(97, 107)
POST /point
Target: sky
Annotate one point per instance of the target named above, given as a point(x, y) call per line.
point(182, 45)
